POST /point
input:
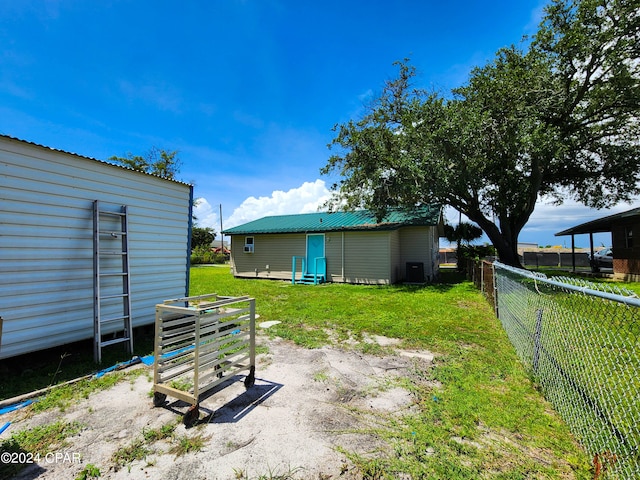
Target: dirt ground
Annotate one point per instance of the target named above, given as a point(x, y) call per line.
point(305, 406)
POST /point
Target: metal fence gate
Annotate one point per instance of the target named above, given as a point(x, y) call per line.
point(581, 342)
point(199, 343)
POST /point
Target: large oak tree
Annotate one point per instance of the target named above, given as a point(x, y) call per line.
point(558, 119)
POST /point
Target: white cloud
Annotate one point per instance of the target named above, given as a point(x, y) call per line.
point(206, 215)
point(304, 199)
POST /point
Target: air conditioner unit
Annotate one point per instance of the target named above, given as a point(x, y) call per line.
point(248, 249)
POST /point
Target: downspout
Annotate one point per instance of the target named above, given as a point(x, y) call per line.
point(190, 226)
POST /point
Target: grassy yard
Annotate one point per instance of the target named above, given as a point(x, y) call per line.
point(479, 413)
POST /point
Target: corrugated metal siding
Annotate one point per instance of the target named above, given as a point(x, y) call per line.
point(46, 243)
point(367, 257)
point(276, 251)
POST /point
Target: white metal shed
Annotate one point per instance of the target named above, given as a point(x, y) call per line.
point(47, 238)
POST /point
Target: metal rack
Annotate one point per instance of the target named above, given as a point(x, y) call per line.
point(199, 343)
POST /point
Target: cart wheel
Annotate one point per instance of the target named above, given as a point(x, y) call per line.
point(192, 415)
point(159, 399)
point(251, 378)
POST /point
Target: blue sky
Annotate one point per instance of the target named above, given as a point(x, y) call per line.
point(247, 91)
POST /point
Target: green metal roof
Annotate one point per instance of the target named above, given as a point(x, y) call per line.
point(429, 215)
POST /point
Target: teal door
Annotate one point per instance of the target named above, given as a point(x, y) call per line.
point(315, 248)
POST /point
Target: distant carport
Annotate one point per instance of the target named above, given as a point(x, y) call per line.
point(601, 225)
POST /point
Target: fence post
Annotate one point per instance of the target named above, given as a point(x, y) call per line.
point(536, 340)
point(494, 279)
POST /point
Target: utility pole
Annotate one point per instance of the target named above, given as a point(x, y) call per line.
point(221, 236)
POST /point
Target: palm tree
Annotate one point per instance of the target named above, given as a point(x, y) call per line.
point(464, 232)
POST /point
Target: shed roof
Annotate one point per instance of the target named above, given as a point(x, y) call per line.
point(603, 224)
point(77, 155)
point(428, 215)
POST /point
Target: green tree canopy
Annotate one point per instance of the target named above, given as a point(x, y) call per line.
point(157, 161)
point(559, 119)
point(202, 237)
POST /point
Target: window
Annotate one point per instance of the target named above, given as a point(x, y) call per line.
point(628, 235)
point(248, 244)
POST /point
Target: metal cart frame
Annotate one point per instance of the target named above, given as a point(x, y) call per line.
point(199, 340)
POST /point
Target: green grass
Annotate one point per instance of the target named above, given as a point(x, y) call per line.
point(88, 472)
point(486, 417)
point(143, 446)
point(124, 456)
point(186, 444)
point(35, 442)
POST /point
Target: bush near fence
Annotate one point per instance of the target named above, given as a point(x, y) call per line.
point(581, 343)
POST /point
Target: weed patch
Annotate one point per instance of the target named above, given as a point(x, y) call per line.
point(29, 446)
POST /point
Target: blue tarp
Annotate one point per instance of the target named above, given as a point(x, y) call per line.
point(4, 427)
point(16, 406)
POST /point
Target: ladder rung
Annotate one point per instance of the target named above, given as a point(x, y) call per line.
point(112, 253)
point(112, 233)
point(115, 340)
point(120, 295)
point(107, 212)
point(113, 319)
point(114, 274)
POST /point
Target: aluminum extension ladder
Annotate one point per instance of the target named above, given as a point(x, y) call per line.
point(111, 280)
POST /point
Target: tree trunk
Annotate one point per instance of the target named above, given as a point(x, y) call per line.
point(505, 244)
point(507, 252)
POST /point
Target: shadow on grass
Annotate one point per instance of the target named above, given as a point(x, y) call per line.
point(41, 369)
point(448, 278)
point(17, 461)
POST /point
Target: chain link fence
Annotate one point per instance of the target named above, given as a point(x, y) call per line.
point(581, 343)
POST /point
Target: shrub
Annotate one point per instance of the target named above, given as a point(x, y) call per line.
point(203, 254)
point(475, 252)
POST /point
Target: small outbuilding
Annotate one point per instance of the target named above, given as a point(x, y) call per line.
point(344, 247)
point(61, 271)
point(626, 252)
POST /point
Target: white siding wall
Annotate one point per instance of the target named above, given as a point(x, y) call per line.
point(419, 244)
point(396, 272)
point(46, 243)
point(370, 257)
point(366, 257)
point(333, 252)
point(274, 251)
